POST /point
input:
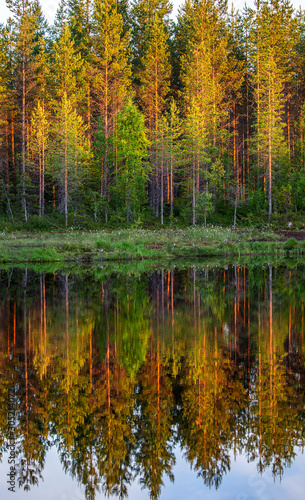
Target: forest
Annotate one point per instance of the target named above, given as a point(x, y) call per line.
point(118, 115)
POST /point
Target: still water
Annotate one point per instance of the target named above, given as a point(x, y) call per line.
point(170, 383)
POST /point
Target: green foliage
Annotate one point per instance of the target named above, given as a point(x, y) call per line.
point(131, 144)
point(221, 93)
point(291, 244)
point(204, 205)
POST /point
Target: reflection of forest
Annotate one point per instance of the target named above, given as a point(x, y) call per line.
point(115, 371)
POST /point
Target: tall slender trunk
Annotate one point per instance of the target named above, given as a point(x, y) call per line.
point(23, 131)
point(194, 187)
point(171, 179)
point(269, 149)
point(7, 173)
point(13, 148)
point(40, 180)
point(247, 124)
point(89, 114)
point(162, 176)
point(235, 207)
point(258, 99)
point(66, 170)
point(235, 162)
point(43, 171)
point(288, 128)
point(104, 186)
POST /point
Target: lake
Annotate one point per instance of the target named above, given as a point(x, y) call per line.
point(171, 382)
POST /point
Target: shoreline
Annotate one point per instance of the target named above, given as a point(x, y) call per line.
point(126, 245)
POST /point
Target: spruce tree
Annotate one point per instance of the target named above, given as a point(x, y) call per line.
point(131, 143)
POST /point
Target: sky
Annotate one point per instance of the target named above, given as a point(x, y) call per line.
point(242, 483)
point(50, 6)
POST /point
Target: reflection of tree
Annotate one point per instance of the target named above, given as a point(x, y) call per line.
point(114, 439)
point(211, 400)
point(214, 378)
point(32, 428)
point(126, 321)
point(69, 386)
point(275, 427)
point(154, 446)
point(7, 389)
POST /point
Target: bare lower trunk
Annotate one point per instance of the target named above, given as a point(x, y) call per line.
point(162, 192)
point(270, 155)
point(235, 207)
point(194, 191)
point(42, 187)
point(171, 188)
point(66, 175)
point(8, 203)
point(23, 152)
point(40, 183)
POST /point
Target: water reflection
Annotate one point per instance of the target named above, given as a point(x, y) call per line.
point(116, 371)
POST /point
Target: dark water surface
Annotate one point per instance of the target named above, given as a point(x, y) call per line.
point(172, 384)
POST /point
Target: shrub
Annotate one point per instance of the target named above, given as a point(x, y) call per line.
point(290, 244)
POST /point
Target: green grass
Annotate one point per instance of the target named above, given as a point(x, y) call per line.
point(142, 244)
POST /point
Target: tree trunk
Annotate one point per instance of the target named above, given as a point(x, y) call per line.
point(162, 180)
point(13, 150)
point(194, 187)
point(40, 181)
point(235, 207)
point(171, 181)
point(66, 172)
point(23, 152)
point(269, 151)
point(43, 170)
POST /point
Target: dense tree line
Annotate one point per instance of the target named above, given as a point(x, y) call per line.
point(118, 114)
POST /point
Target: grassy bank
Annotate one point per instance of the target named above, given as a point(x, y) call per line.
point(143, 244)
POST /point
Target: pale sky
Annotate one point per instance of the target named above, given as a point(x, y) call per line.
point(242, 483)
point(50, 6)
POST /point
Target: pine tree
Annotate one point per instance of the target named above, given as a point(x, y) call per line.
point(161, 137)
point(80, 23)
point(4, 100)
point(154, 76)
point(28, 25)
point(270, 135)
point(111, 68)
point(199, 121)
point(210, 76)
point(67, 69)
point(142, 14)
point(154, 80)
point(272, 33)
point(39, 146)
point(174, 134)
point(167, 155)
point(70, 150)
